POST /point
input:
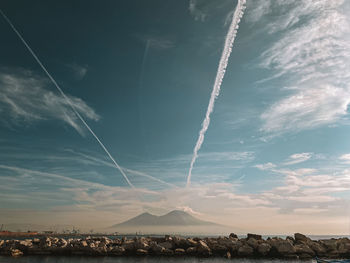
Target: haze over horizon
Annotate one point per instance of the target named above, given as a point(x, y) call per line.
point(275, 158)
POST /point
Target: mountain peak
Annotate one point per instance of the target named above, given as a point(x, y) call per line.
point(173, 218)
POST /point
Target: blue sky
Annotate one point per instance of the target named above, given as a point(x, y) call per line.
point(141, 75)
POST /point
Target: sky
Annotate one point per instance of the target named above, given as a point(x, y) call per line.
point(275, 158)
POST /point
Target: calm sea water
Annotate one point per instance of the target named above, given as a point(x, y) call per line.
point(42, 259)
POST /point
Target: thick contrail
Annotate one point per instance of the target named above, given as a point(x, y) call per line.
point(66, 98)
point(230, 38)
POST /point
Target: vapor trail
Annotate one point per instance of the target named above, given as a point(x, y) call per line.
point(66, 98)
point(230, 38)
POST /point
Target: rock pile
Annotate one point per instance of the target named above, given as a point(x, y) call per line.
point(297, 247)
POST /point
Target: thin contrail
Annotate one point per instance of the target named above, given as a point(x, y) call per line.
point(230, 38)
point(66, 98)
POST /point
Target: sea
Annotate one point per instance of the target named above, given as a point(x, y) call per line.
point(51, 259)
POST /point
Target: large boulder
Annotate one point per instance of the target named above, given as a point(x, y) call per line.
point(245, 251)
point(16, 253)
point(117, 251)
point(191, 251)
point(263, 249)
point(255, 236)
point(302, 249)
point(283, 247)
point(129, 245)
point(318, 248)
point(167, 245)
point(233, 236)
point(300, 238)
point(156, 248)
point(203, 250)
point(253, 242)
point(344, 247)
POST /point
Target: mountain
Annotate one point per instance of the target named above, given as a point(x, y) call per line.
point(174, 218)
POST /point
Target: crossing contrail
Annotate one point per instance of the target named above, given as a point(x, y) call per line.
point(230, 38)
point(66, 98)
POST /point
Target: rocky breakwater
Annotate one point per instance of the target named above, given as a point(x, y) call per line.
point(297, 247)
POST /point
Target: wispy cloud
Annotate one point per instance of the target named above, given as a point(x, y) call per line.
point(265, 166)
point(197, 13)
point(311, 58)
point(345, 158)
point(79, 71)
point(25, 98)
point(298, 158)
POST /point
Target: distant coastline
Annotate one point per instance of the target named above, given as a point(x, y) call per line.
point(251, 246)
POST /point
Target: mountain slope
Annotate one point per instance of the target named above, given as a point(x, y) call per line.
point(174, 218)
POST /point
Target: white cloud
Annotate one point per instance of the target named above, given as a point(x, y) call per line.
point(25, 98)
point(298, 158)
point(265, 166)
point(311, 57)
point(345, 158)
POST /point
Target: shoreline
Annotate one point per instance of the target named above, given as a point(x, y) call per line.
point(252, 246)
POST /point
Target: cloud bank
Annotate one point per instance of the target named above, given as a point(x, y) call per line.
point(310, 58)
point(25, 98)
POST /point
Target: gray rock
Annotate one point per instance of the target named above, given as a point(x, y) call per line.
point(203, 250)
point(304, 249)
point(16, 253)
point(300, 237)
point(156, 248)
point(191, 250)
point(264, 249)
point(253, 242)
point(245, 250)
point(167, 245)
point(117, 251)
point(233, 235)
point(255, 236)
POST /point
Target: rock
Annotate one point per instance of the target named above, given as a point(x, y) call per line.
point(181, 242)
point(304, 249)
point(227, 255)
point(117, 251)
point(191, 250)
point(141, 252)
point(264, 249)
point(218, 249)
point(142, 244)
point(203, 250)
point(300, 237)
point(16, 253)
point(253, 242)
point(257, 237)
point(245, 250)
point(167, 245)
point(156, 248)
point(83, 244)
point(168, 252)
point(330, 244)
point(180, 252)
point(129, 245)
point(191, 242)
point(317, 248)
point(344, 247)
point(283, 247)
point(232, 235)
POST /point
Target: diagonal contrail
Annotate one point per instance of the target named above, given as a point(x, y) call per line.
point(230, 38)
point(66, 98)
